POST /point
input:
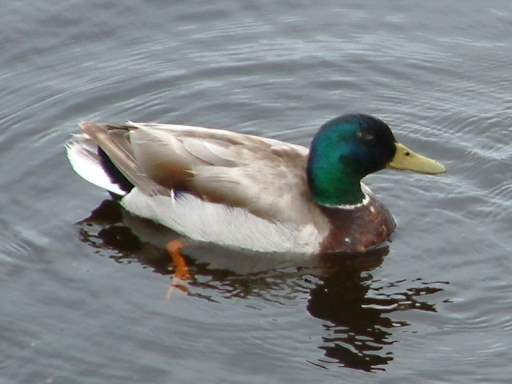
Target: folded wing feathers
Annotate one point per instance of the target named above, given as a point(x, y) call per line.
point(262, 175)
point(212, 152)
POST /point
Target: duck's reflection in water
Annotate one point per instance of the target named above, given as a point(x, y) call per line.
point(357, 311)
point(341, 291)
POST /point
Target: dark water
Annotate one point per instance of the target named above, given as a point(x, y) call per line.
point(83, 292)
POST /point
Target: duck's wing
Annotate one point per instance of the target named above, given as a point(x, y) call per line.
point(265, 176)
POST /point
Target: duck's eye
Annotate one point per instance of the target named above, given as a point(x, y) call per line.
point(365, 136)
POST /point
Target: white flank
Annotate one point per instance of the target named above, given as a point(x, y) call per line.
point(85, 161)
point(228, 226)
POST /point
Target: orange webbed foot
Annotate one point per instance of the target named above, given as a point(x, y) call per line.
point(181, 272)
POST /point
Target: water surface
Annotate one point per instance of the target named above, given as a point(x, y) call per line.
point(83, 284)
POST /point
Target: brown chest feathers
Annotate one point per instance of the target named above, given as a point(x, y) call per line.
point(359, 229)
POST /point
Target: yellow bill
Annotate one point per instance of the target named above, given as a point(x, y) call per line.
point(408, 160)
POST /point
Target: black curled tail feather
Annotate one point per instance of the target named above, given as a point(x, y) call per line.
point(114, 174)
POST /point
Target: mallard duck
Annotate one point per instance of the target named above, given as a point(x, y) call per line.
point(251, 192)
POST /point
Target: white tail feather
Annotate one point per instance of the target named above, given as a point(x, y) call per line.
point(83, 156)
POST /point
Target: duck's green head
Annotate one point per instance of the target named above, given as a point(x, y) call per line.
point(348, 148)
